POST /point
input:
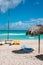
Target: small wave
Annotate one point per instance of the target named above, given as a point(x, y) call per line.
point(12, 34)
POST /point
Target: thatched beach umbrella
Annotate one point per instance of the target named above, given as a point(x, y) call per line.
point(37, 30)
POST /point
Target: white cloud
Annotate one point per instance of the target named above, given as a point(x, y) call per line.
point(22, 25)
point(37, 21)
point(6, 4)
point(19, 25)
point(26, 24)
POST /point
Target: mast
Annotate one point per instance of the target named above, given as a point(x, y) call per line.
point(8, 24)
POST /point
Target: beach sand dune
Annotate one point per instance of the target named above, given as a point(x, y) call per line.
point(7, 57)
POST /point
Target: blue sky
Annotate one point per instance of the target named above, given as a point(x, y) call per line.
point(23, 14)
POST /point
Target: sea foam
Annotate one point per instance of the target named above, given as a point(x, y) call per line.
point(12, 34)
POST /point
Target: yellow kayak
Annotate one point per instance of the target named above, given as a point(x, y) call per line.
point(16, 42)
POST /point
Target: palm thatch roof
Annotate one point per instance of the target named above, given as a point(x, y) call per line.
point(37, 30)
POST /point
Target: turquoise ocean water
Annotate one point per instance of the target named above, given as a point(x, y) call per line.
point(16, 34)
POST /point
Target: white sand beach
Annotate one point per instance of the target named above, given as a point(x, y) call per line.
point(7, 57)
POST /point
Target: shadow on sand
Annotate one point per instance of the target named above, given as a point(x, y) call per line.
point(40, 57)
point(23, 51)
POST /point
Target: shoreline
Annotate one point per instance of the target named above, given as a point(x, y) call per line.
point(21, 40)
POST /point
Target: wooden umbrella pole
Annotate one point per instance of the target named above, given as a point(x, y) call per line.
point(39, 44)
